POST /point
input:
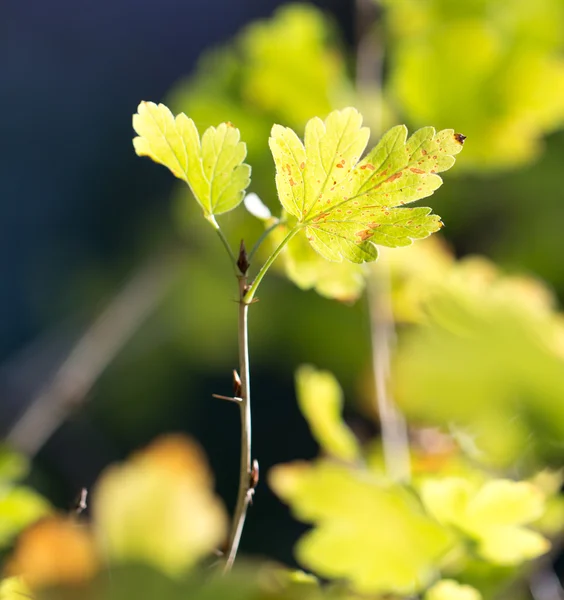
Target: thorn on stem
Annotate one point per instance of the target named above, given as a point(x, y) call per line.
point(236, 384)
point(80, 504)
point(253, 480)
point(229, 398)
point(243, 259)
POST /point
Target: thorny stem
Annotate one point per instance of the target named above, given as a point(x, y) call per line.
point(248, 298)
point(394, 428)
point(244, 495)
point(246, 483)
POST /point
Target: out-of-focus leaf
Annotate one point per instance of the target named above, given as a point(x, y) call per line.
point(212, 167)
point(374, 536)
point(488, 358)
point(256, 207)
point(289, 70)
point(321, 400)
point(158, 508)
point(448, 589)
point(494, 514)
point(19, 507)
point(14, 588)
point(54, 551)
point(494, 71)
point(13, 466)
point(344, 206)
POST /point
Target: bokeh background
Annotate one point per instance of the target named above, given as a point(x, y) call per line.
point(87, 225)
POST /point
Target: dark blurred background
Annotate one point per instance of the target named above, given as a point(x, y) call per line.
point(82, 216)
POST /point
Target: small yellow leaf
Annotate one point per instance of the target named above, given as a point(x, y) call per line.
point(159, 507)
point(321, 400)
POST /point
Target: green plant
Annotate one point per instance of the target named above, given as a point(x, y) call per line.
point(453, 506)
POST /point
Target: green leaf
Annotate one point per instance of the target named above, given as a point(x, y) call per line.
point(493, 514)
point(321, 400)
point(212, 167)
point(374, 536)
point(345, 206)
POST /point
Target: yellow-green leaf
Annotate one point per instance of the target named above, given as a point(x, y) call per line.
point(345, 205)
point(376, 537)
point(492, 513)
point(321, 400)
point(212, 167)
point(158, 508)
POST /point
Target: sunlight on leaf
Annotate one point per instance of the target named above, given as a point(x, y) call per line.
point(321, 401)
point(374, 536)
point(345, 206)
point(159, 508)
point(494, 514)
point(212, 167)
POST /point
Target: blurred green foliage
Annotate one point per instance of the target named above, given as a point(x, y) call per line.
point(493, 70)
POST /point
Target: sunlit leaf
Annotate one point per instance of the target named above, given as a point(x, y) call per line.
point(158, 508)
point(374, 536)
point(462, 366)
point(448, 589)
point(493, 514)
point(345, 206)
point(212, 167)
point(321, 401)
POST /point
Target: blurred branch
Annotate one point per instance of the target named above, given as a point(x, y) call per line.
point(395, 439)
point(94, 351)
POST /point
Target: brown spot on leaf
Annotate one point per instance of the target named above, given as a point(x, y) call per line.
point(423, 151)
point(414, 170)
point(459, 138)
point(394, 176)
point(364, 235)
point(291, 181)
point(368, 166)
point(302, 166)
point(229, 124)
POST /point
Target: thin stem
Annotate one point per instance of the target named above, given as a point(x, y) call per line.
point(244, 495)
point(264, 235)
point(395, 439)
point(248, 298)
point(228, 248)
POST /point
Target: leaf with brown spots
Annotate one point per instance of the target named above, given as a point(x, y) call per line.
point(345, 205)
